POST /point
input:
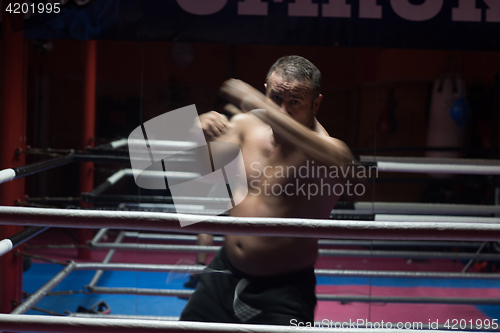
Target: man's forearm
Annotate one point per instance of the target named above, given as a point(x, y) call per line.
point(326, 150)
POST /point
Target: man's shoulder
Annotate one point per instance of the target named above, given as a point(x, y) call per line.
point(246, 121)
point(324, 135)
point(318, 128)
point(239, 118)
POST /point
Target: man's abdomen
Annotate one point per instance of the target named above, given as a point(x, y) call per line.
point(270, 255)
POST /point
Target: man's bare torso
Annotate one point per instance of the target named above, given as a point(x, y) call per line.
point(271, 166)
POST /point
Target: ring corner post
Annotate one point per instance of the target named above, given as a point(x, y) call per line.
point(88, 132)
point(12, 139)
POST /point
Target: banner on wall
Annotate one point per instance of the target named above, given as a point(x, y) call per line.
point(416, 24)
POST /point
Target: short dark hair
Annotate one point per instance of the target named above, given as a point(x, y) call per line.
point(298, 68)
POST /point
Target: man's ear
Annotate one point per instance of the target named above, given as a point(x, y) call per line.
point(317, 103)
point(265, 87)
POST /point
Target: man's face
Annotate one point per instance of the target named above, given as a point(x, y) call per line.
point(296, 98)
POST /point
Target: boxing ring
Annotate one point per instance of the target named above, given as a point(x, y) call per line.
point(362, 223)
point(54, 323)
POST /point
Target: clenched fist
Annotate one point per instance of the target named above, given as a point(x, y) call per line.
point(214, 125)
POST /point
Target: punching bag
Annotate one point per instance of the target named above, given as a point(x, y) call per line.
point(443, 130)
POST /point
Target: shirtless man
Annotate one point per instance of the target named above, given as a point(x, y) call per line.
point(272, 279)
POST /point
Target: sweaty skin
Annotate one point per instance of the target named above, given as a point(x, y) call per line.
point(266, 154)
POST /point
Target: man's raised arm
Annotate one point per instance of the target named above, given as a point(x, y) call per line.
point(327, 150)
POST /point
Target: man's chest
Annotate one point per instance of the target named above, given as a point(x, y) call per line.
point(266, 160)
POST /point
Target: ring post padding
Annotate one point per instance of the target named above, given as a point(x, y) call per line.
point(7, 175)
point(5, 246)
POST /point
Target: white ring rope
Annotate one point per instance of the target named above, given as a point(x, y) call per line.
point(160, 143)
point(53, 324)
point(430, 160)
point(165, 144)
point(438, 168)
point(5, 246)
point(436, 218)
point(380, 207)
point(434, 165)
point(7, 175)
point(345, 229)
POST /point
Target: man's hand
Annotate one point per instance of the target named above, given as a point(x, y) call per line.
point(214, 125)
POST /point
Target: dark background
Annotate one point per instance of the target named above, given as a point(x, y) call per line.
point(153, 57)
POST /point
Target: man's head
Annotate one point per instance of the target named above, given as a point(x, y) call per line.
point(293, 83)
